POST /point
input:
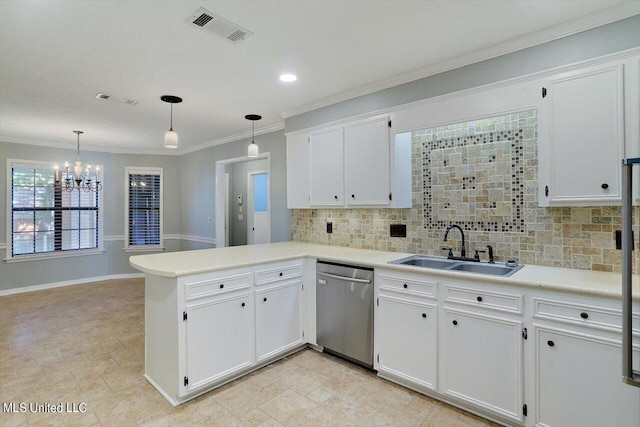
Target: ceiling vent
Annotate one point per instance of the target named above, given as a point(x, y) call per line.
point(209, 21)
point(113, 98)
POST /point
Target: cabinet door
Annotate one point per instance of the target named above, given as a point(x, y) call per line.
point(579, 382)
point(367, 163)
point(406, 340)
point(219, 338)
point(326, 167)
point(278, 326)
point(298, 171)
point(585, 135)
point(481, 361)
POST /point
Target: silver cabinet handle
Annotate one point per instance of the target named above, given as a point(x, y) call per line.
point(629, 375)
point(344, 278)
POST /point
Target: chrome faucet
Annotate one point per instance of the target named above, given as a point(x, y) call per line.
point(463, 252)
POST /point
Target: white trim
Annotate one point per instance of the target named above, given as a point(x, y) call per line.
point(143, 170)
point(623, 55)
point(219, 193)
point(97, 279)
point(53, 255)
point(157, 152)
point(556, 32)
point(3, 246)
point(198, 239)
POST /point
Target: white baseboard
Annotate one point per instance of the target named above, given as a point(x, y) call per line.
point(69, 283)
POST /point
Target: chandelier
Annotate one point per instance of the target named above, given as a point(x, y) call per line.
point(74, 178)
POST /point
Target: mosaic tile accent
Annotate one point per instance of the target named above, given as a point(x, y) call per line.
point(502, 210)
point(475, 181)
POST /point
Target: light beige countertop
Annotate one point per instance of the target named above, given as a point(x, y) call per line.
point(177, 264)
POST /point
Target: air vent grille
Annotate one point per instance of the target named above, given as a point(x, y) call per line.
point(202, 20)
point(209, 21)
point(115, 98)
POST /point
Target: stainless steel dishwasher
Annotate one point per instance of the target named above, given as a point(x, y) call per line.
point(344, 314)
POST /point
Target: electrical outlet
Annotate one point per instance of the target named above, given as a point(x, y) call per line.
point(329, 227)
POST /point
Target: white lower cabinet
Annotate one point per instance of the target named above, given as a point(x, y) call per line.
point(219, 338)
point(407, 339)
point(278, 319)
point(578, 381)
point(481, 361)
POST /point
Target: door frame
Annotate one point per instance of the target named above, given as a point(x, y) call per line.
point(219, 196)
point(250, 213)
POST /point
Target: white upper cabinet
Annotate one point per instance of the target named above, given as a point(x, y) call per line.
point(352, 165)
point(367, 163)
point(326, 172)
point(298, 171)
point(582, 139)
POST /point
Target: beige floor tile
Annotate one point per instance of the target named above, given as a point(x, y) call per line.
point(255, 417)
point(85, 344)
point(288, 407)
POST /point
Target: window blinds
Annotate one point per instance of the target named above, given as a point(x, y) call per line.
point(144, 209)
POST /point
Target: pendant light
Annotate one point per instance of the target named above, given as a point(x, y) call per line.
point(171, 137)
point(252, 150)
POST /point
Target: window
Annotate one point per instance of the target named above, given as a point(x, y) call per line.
point(43, 221)
point(143, 211)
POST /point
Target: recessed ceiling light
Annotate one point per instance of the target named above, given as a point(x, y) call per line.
point(288, 78)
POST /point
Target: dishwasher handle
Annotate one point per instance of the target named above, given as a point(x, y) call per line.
point(343, 278)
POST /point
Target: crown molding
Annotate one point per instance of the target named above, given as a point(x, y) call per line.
point(142, 151)
point(556, 32)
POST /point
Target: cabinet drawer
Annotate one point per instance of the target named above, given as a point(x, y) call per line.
point(276, 272)
point(587, 315)
point(216, 286)
point(408, 285)
point(482, 298)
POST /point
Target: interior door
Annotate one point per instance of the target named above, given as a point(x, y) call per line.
point(258, 230)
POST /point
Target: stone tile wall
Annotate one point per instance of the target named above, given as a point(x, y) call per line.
point(481, 175)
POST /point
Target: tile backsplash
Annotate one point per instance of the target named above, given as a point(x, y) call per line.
point(481, 175)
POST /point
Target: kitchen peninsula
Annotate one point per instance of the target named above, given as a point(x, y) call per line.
point(217, 314)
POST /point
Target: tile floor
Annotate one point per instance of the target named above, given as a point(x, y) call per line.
point(85, 344)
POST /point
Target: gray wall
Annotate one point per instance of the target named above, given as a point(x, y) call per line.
point(238, 187)
point(114, 260)
point(199, 166)
point(607, 39)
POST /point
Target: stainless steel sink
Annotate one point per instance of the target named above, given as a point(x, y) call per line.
point(492, 269)
point(426, 262)
point(441, 263)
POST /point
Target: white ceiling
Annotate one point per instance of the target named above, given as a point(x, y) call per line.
point(56, 55)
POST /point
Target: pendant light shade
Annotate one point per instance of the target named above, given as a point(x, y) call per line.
point(252, 149)
point(171, 137)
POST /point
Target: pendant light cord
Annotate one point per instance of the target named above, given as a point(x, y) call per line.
point(171, 126)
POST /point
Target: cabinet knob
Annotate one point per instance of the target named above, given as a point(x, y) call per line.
point(265, 299)
point(353, 196)
point(405, 286)
point(243, 304)
point(281, 274)
point(584, 315)
point(424, 315)
point(221, 285)
point(455, 322)
point(479, 299)
point(605, 186)
point(335, 197)
point(550, 343)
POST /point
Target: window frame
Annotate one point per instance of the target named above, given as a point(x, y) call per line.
point(9, 256)
point(143, 170)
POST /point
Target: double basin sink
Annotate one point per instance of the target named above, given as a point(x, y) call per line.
point(441, 263)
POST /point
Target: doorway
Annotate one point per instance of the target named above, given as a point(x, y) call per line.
point(258, 207)
point(242, 201)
